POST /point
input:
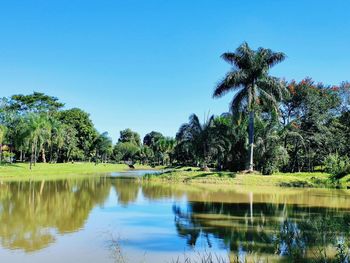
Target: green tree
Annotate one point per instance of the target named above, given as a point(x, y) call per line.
point(165, 146)
point(37, 133)
point(152, 140)
point(36, 102)
point(198, 137)
point(250, 79)
point(228, 143)
point(309, 115)
point(146, 154)
point(103, 146)
point(2, 136)
point(130, 136)
point(70, 150)
point(271, 155)
point(126, 151)
point(85, 131)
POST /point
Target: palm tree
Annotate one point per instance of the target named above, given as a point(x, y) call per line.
point(250, 79)
point(198, 136)
point(57, 138)
point(37, 133)
point(165, 147)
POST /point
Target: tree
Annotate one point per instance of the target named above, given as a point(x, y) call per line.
point(165, 146)
point(151, 139)
point(128, 135)
point(85, 130)
point(36, 102)
point(2, 136)
point(311, 130)
point(271, 155)
point(197, 135)
point(103, 146)
point(126, 151)
point(345, 121)
point(37, 133)
point(250, 79)
point(228, 143)
point(146, 154)
point(70, 150)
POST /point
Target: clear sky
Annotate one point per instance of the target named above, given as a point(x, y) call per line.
point(149, 64)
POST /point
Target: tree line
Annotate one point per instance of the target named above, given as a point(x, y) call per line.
point(273, 125)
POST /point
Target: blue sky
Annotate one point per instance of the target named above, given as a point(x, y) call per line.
point(149, 64)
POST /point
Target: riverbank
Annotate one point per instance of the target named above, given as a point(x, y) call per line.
point(188, 175)
point(52, 170)
point(194, 175)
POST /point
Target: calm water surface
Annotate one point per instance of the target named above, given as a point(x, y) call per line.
point(81, 220)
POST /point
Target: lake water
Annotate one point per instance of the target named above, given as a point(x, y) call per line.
point(113, 219)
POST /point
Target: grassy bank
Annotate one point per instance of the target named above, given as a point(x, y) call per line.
point(194, 175)
point(21, 170)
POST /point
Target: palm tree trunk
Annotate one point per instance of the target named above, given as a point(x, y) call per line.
point(31, 156)
point(51, 152)
point(43, 156)
point(58, 154)
point(36, 146)
point(251, 140)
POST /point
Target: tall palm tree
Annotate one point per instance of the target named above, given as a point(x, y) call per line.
point(250, 79)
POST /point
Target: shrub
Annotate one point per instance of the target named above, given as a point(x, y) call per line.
point(337, 166)
point(274, 160)
point(8, 157)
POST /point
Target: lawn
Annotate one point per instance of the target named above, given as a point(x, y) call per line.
point(21, 170)
point(194, 175)
point(40, 171)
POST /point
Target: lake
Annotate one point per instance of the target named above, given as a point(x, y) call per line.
point(114, 219)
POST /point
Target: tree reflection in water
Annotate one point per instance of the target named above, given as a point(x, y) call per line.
point(32, 212)
point(295, 232)
point(127, 190)
point(277, 223)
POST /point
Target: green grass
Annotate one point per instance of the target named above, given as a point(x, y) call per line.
point(194, 175)
point(21, 170)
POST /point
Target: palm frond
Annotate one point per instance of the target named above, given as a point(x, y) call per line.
point(233, 80)
point(275, 58)
point(238, 104)
point(269, 57)
point(231, 58)
point(195, 123)
point(273, 86)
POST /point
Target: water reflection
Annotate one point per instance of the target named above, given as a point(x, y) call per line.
point(272, 222)
point(31, 213)
point(126, 189)
point(269, 229)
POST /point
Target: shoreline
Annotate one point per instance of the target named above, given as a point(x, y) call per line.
point(179, 175)
point(283, 180)
point(18, 171)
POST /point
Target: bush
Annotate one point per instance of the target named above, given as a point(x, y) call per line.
point(273, 160)
point(8, 157)
point(337, 166)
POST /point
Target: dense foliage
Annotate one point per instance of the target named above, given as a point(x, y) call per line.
point(292, 127)
point(35, 128)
